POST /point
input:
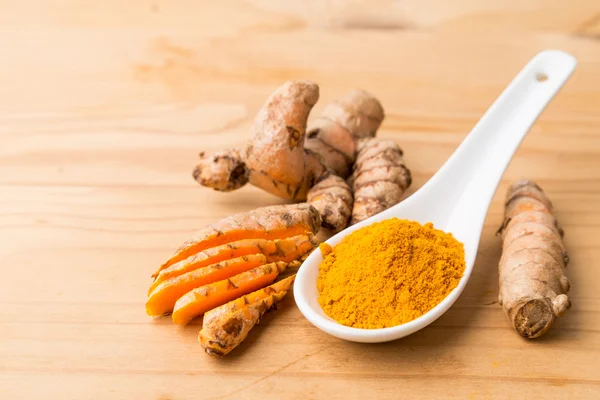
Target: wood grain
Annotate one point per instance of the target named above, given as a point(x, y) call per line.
point(104, 106)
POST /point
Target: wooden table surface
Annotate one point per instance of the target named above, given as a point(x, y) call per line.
point(104, 106)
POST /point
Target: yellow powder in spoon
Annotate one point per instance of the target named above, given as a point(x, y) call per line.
point(388, 273)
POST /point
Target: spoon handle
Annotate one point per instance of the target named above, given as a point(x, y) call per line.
point(468, 180)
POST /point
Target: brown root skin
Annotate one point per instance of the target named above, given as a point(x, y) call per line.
point(225, 327)
point(359, 112)
point(529, 189)
point(275, 154)
point(268, 223)
point(212, 317)
point(282, 159)
point(334, 136)
point(223, 171)
point(337, 161)
point(222, 336)
point(532, 283)
point(332, 198)
point(380, 178)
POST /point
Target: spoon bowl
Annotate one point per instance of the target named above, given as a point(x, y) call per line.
point(457, 197)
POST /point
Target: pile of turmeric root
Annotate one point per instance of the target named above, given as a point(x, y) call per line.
point(337, 165)
point(340, 174)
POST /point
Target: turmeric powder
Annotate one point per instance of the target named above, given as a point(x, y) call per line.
point(388, 273)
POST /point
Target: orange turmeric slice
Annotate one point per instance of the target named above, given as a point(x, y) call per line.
point(163, 297)
point(270, 223)
point(200, 300)
point(285, 250)
point(254, 297)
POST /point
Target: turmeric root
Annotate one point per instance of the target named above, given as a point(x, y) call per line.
point(334, 135)
point(200, 300)
point(162, 299)
point(285, 250)
point(275, 159)
point(332, 197)
point(223, 171)
point(231, 263)
point(379, 178)
point(285, 161)
point(225, 327)
point(224, 335)
point(532, 283)
point(274, 222)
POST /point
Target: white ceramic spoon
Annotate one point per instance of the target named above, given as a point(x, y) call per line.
point(457, 197)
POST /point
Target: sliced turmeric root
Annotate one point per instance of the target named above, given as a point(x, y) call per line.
point(227, 331)
point(163, 297)
point(239, 303)
point(200, 300)
point(285, 250)
point(270, 223)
